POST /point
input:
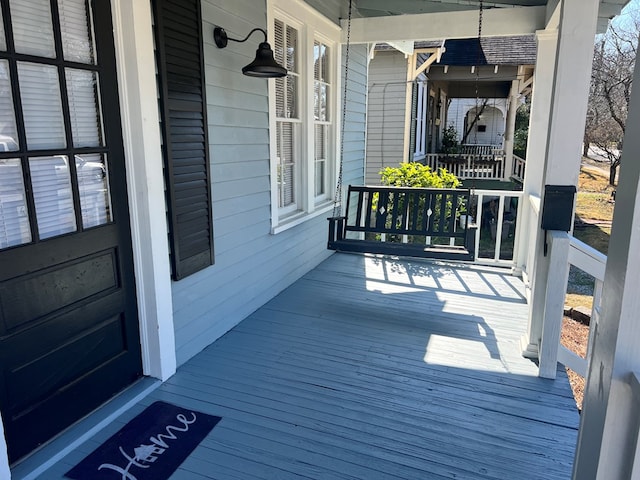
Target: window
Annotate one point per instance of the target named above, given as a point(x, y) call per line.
point(288, 131)
point(321, 116)
point(303, 107)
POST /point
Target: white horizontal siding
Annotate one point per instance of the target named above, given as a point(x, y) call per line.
point(251, 265)
point(386, 113)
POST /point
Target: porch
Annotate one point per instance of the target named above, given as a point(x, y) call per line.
point(369, 367)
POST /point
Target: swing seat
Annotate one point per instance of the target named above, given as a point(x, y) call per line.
point(400, 221)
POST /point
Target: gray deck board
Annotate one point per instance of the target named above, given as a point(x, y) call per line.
point(370, 368)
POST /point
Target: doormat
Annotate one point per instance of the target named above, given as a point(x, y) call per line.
point(150, 447)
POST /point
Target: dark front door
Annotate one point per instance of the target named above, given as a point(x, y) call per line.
point(68, 317)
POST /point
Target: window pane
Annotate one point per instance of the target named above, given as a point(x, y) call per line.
point(280, 82)
point(82, 87)
point(51, 183)
point(285, 52)
point(77, 43)
point(3, 40)
point(286, 97)
point(320, 94)
point(320, 157)
point(95, 199)
point(292, 49)
point(292, 97)
point(321, 81)
point(41, 105)
point(321, 62)
point(14, 219)
point(32, 27)
point(279, 41)
point(286, 165)
point(320, 189)
point(8, 131)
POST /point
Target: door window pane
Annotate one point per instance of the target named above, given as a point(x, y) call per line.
point(82, 88)
point(77, 43)
point(14, 219)
point(51, 183)
point(95, 199)
point(32, 27)
point(8, 131)
point(41, 105)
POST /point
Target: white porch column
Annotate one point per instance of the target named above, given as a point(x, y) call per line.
point(510, 127)
point(531, 237)
point(609, 421)
point(570, 92)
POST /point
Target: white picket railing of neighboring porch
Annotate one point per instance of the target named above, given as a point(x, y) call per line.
point(463, 166)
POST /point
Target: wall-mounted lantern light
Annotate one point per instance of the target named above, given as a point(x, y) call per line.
point(264, 65)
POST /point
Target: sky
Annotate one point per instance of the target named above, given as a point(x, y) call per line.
point(623, 18)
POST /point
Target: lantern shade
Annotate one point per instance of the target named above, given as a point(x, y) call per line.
point(264, 65)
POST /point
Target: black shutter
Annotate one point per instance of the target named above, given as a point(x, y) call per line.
point(183, 110)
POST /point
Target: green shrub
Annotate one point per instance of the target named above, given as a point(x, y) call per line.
point(417, 175)
point(450, 144)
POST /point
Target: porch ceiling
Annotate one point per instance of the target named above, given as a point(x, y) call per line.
point(539, 14)
point(377, 8)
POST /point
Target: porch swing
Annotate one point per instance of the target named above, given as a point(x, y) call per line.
point(400, 221)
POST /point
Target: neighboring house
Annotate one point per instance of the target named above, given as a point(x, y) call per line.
point(490, 126)
point(151, 196)
point(415, 94)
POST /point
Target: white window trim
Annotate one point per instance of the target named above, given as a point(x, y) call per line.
point(313, 26)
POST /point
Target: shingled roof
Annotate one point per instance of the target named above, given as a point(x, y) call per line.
point(513, 50)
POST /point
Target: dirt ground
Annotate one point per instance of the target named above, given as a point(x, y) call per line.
point(575, 337)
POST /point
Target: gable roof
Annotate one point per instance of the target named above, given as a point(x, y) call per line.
point(511, 50)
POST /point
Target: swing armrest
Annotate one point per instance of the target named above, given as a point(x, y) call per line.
point(337, 227)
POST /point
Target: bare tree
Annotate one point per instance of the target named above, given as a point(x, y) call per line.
point(477, 113)
point(611, 78)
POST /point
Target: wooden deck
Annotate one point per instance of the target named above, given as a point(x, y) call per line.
point(370, 368)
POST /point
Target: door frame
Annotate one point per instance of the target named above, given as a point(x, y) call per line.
point(143, 159)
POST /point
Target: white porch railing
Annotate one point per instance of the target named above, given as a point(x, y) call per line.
point(466, 165)
point(518, 168)
point(480, 149)
point(498, 214)
point(561, 246)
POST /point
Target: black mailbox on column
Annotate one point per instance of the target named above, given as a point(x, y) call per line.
point(557, 207)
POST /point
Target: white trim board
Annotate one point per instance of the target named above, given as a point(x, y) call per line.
point(135, 57)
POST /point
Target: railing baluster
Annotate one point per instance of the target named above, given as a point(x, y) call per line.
point(394, 210)
point(416, 211)
point(359, 211)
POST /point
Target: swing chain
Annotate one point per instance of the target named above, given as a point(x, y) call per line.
point(477, 112)
point(337, 201)
point(480, 10)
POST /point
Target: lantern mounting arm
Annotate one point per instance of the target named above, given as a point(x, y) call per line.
point(221, 38)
